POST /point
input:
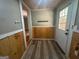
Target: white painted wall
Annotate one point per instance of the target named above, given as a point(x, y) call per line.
point(9, 14)
point(42, 15)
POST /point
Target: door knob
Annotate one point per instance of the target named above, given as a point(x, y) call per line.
point(66, 33)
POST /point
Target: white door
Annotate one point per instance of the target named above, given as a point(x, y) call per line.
point(62, 28)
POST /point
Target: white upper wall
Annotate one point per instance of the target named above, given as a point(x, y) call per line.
point(9, 14)
point(40, 15)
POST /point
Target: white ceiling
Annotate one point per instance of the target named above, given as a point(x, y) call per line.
point(42, 4)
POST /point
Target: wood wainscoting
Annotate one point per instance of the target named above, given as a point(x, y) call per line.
point(43, 32)
point(74, 46)
point(12, 46)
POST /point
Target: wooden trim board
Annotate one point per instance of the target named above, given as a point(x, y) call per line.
point(9, 34)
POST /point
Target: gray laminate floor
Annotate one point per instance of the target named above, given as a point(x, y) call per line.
point(40, 49)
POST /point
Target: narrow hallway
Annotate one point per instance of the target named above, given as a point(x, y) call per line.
point(39, 29)
point(43, 49)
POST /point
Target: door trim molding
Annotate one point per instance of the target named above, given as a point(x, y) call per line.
point(22, 19)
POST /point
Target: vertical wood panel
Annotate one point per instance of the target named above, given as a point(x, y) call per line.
point(43, 32)
point(75, 41)
point(12, 46)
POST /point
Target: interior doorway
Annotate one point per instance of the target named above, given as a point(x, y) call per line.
point(26, 24)
point(26, 30)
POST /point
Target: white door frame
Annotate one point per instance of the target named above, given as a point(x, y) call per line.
point(23, 26)
point(29, 21)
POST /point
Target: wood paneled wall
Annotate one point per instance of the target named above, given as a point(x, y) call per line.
point(12, 46)
point(74, 46)
point(43, 32)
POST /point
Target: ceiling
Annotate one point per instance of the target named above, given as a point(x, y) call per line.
point(42, 4)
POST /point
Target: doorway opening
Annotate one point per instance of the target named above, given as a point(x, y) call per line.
point(26, 24)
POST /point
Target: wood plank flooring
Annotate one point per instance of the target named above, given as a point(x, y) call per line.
point(43, 49)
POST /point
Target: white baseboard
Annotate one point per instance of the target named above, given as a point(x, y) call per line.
point(41, 39)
